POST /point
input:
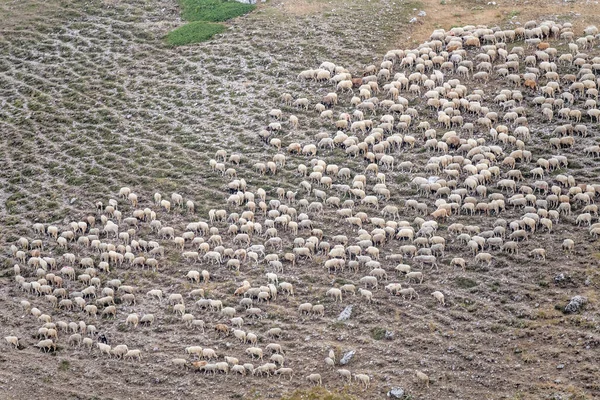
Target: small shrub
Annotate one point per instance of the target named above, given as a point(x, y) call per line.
point(465, 283)
point(194, 32)
point(64, 365)
point(378, 333)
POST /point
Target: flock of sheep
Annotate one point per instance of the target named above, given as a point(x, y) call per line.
point(481, 163)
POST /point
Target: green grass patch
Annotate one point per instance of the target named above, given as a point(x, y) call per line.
point(194, 32)
point(213, 10)
point(378, 333)
point(203, 16)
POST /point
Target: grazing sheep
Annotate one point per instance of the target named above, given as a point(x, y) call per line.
point(439, 296)
point(422, 378)
point(46, 345)
point(408, 292)
point(335, 293)
point(132, 319)
point(255, 352)
point(120, 350)
point(285, 371)
point(568, 245)
point(415, 275)
point(364, 379)
point(366, 294)
point(12, 340)
point(344, 373)
point(315, 379)
point(134, 354)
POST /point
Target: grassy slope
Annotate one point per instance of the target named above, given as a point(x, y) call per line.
point(95, 101)
point(194, 32)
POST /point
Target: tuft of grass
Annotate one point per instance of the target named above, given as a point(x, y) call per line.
point(64, 365)
point(194, 32)
point(213, 10)
point(378, 333)
point(465, 283)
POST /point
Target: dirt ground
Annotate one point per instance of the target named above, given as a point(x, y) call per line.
point(91, 100)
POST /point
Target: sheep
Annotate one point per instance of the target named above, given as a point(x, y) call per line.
point(12, 340)
point(255, 352)
point(156, 293)
point(416, 276)
point(195, 350)
point(366, 294)
point(363, 379)
point(439, 296)
point(344, 373)
point(110, 310)
point(46, 345)
point(75, 339)
point(285, 371)
point(120, 350)
point(422, 378)
point(318, 310)
point(275, 348)
point(407, 292)
point(568, 245)
point(369, 281)
point(315, 378)
point(133, 354)
point(147, 319)
point(335, 293)
point(132, 319)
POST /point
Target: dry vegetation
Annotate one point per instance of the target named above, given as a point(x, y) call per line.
point(92, 99)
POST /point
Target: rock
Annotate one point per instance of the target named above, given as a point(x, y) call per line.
point(396, 393)
point(421, 14)
point(347, 357)
point(73, 200)
point(560, 366)
point(559, 278)
point(344, 315)
point(389, 335)
point(412, 20)
point(575, 304)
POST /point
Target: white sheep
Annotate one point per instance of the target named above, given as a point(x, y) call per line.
point(285, 371)
point(147, 319)
point(255, 352)
point(315, 378)
point(415, 275)
point(12, 340)
point(46, 345)
point(180, 362)
point(363, 378)
point(197, 350)
point(335, 293)
point(120, 350)
point(134, 354)
point(439, 296)
point(367, 294)
point(132, 319)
